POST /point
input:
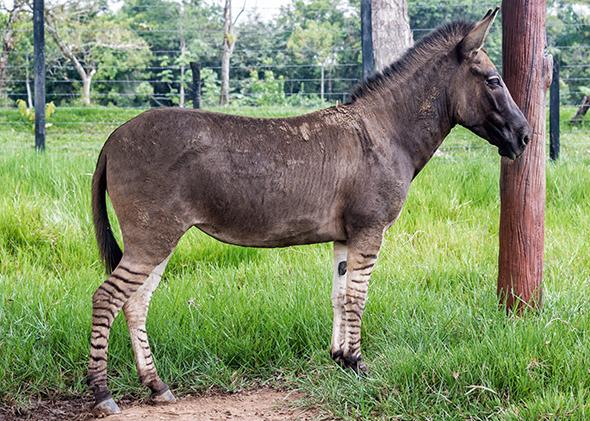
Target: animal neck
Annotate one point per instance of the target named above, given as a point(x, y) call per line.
point(411, 113)
point(406, 107)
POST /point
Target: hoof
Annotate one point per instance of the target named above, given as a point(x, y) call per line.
point(106, 408)
point(356, 364)
point(164, 397)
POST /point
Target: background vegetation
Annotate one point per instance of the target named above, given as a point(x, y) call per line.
point(139, 50)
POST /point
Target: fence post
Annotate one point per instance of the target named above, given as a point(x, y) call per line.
point(522, 181)
point(196, 91)
point(554, 112)
point(39, 53)
point(367, 39)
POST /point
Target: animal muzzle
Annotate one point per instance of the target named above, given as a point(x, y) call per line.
point(517, 143)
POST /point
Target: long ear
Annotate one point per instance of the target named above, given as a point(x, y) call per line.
point(474, 40)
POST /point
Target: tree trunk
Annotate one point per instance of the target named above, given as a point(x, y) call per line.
point(322, 79)
point(28, 86)
point(228, 48)
point(85, 76)
point(522, 182)
point(86, 82)
point(181, 93)
point(181, 88)
point(391, 32)
point(582, 110)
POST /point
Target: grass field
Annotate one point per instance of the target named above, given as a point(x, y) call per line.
point(231, 318)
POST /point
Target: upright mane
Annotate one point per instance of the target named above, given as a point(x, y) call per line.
point(438, 42)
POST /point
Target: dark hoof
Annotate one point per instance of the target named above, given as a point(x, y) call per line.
point(164, 397)
point(106, 408)
point(356, 364)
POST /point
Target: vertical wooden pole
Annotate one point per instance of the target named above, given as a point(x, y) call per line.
point(554, 112)
point(39, 52)
point(196, 70)
point(367, 39)
point(522, 182)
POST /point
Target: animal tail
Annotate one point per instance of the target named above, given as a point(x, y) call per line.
point(110, 252)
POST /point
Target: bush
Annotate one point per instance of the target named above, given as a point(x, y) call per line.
point(28, 114)
point(209, 88)
point(266, 91)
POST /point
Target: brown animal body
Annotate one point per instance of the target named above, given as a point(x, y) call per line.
point(339, 175)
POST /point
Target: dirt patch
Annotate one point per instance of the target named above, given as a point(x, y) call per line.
point(259, 404)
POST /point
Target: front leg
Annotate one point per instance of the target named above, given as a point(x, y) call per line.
point(361, 256)
point(338, 298)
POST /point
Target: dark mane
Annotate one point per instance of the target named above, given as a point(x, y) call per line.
point(441, 40)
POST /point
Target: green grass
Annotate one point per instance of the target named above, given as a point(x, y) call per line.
point(230, 317)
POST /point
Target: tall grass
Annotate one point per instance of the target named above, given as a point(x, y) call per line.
point(229, 317)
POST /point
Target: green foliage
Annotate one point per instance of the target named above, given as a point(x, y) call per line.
point(130, 44)
point(28, 113)
point(301, 99)
point(314, 43)
point(210, 87)
point(568, 26)
point(263, 92)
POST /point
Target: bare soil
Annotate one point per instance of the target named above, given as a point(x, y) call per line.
point(259, 404)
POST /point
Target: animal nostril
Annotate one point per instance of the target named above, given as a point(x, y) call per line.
point(525, 140)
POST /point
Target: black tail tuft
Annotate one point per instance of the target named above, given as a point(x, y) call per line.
point(109, 249)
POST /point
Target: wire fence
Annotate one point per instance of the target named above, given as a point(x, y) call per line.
point(258, 66)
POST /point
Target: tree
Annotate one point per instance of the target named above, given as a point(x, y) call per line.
point(391, 31)
point(315, 43)
point(86, 35)
point(342, 20)
point(13, 14)
point(229, 42)
point(568, 32)
point(177, 31)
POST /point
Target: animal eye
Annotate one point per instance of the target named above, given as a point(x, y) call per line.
point(493, 81)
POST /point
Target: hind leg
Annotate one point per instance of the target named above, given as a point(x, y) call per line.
point(131, 273)
point(136, 309)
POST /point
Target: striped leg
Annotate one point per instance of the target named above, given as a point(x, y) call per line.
point(136, 309)
point(338, 296)
point(107, 301)
point(361, 259)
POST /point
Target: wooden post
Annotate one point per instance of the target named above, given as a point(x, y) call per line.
point(522, 182)
point(39, 52)
point(367, 39)
point(554, 112)
point(196, 91)
point(582, 110)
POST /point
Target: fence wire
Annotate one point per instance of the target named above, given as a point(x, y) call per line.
point(164, 78)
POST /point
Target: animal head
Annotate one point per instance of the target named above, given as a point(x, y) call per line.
point(480, 99)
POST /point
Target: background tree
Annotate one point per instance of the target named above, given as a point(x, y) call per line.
point(177, 32)
point(291, 45)
point(229, 42)
point(391, 31)
point(86, 34)
point(315, 44)
point(302, 76)
point(8, 22)
point(568, 34)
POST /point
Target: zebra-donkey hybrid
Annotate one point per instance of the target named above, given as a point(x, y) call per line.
point(337, 175)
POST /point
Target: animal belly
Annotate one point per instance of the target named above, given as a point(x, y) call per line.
point(289, 232)
point(270, 206)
